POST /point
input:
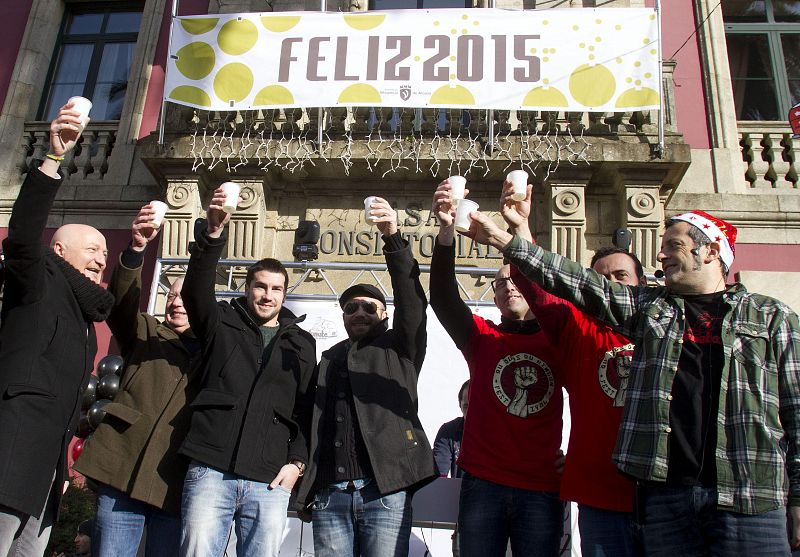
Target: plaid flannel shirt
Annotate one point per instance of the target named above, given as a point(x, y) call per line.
point(758, 424)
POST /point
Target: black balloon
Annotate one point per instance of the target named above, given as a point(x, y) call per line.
point(84, 428)
point(97, 412)
point(90, 394)
point(108, 386)
point(111, 364)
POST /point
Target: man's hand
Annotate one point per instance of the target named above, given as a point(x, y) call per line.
point(794, 536)
point(142, 230)
point(444, 209)
point(65, 129)
point(384, 216)
point(484, 231)
point(287, 477)
point(516, 213)
point(217, 218)
point(561, 460)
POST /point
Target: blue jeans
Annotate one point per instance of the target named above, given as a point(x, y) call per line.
point(489, 515)
point(606, 533)
point(213, 501)
point(685, 522)
point(120, 522)
point(359, 522)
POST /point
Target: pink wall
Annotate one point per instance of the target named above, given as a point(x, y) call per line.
point(766, 257)
point(155, 90)
point(14, 14)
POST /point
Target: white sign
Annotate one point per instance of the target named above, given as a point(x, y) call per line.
point(566, 59)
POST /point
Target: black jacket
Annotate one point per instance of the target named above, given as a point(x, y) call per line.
point(383, 371)
point(47, 350)
point(250, 417)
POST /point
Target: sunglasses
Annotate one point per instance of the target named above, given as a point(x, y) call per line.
point(501, 283)
point(369, 307)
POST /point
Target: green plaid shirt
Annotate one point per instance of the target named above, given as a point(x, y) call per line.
point(758, 424)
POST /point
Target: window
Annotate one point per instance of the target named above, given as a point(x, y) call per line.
point(418, 4)
point(93, 57)
point(764, 52)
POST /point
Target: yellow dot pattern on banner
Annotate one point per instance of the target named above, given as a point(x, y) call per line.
point(592, 85)
point(452, 96)
point(575, 27)
point(191, 95)
point(648, 75)
point(653, 51)
point(360, 93)
point(452, 58)
point(545, 96)
point(618, 27)
point(233, 82)
point(436, 24)
point(274, 95)
point(637, 64)
point(364, 22)
point(642, 97)
point(476, 23)
point(545, 22)
point(618, 60)
point(453, 31)
point(651, 17)
point(199, 26)
point(237, 37)
point(279, 23)
point(465, 16)
point(598, 21)
point(417, 58)
point(195, 60)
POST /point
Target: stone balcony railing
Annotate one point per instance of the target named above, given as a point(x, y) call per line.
point(88, 161)
point(770, 156)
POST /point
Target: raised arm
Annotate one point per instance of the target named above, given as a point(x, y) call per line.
point(198, 287)
point(450, 309)
point(409, 320)
point(126, 280)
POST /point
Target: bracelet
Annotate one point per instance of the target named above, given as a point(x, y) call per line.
point(300, 466)
point(53, 157)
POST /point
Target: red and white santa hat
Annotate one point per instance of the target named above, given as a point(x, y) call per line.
point(716, 230)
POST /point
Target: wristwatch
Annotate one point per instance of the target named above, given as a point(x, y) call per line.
point(300, 466)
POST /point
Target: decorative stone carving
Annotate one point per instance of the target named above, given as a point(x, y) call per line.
point(643, 214)
point(183, 198)
point(246, 227)
point(568, 220)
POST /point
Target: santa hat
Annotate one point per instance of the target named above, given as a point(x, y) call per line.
point(716, 230)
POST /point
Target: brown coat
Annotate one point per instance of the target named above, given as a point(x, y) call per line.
point(135, 449)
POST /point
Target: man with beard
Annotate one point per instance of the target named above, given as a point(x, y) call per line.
point(512, 433)
point(51, 301)
point(133, 454)
point(249, 426)
point(368, 449)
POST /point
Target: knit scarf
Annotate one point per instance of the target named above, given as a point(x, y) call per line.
point(95, 301)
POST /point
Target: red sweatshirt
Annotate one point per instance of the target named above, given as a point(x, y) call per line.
point(595, 378)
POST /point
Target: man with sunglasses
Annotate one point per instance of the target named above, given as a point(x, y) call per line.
point(368, 449)
point(133, 454)
point(512, 433)
point(247, 438)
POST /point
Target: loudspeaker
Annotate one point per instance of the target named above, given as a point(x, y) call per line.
point(622, 238)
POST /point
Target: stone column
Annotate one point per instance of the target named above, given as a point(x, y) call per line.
point(246, 227)
point(643, 214)
point(183, 198)
point(568, 220)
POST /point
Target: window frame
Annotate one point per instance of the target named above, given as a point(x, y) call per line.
point(772, 30)
point(97, 40)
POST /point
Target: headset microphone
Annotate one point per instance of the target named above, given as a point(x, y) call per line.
point(659, 274)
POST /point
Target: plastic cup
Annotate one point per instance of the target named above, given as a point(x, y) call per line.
point(457, 186)
point(463, 221)
point(161, 209)
point(518, 179)
point(82, 105)
point(367, 202)
point(231, 190)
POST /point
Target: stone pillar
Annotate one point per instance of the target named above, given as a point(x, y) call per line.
point(246, 227)
point(643, 214)
point(183, 198)
point(568, 220)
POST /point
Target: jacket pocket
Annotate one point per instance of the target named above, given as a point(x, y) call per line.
point(213, 417)
point(123, 413)
point(20, 389)
point(280, 431)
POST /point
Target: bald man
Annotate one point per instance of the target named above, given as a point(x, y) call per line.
point(51, 301)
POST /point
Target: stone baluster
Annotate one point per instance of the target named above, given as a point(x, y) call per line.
point(757, 167)
point(781, 166)
point(452, 125)
point(429, 123)
point(360, 119)
point(102, 147)
point(407, 116)
point(791, 151)
point(337, 117)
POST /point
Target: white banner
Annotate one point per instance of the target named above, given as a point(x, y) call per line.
point(599, 60)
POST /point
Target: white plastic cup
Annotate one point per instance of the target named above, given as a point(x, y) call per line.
point(367, 202)
point(231, 190)
point(82, 105)
point(463, 221)
point(519, 179)
point(161, 209)
point(457, 186)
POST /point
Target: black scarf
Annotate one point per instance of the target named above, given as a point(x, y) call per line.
point(95, 301)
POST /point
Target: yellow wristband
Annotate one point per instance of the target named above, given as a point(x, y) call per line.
point(53, 157)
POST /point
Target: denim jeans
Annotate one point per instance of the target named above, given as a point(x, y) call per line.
point(489, 515)
point(606, 533)
point(359, 522)
point(685, 522)
point(23, 534)
point(120, 522)
point(214, 500)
